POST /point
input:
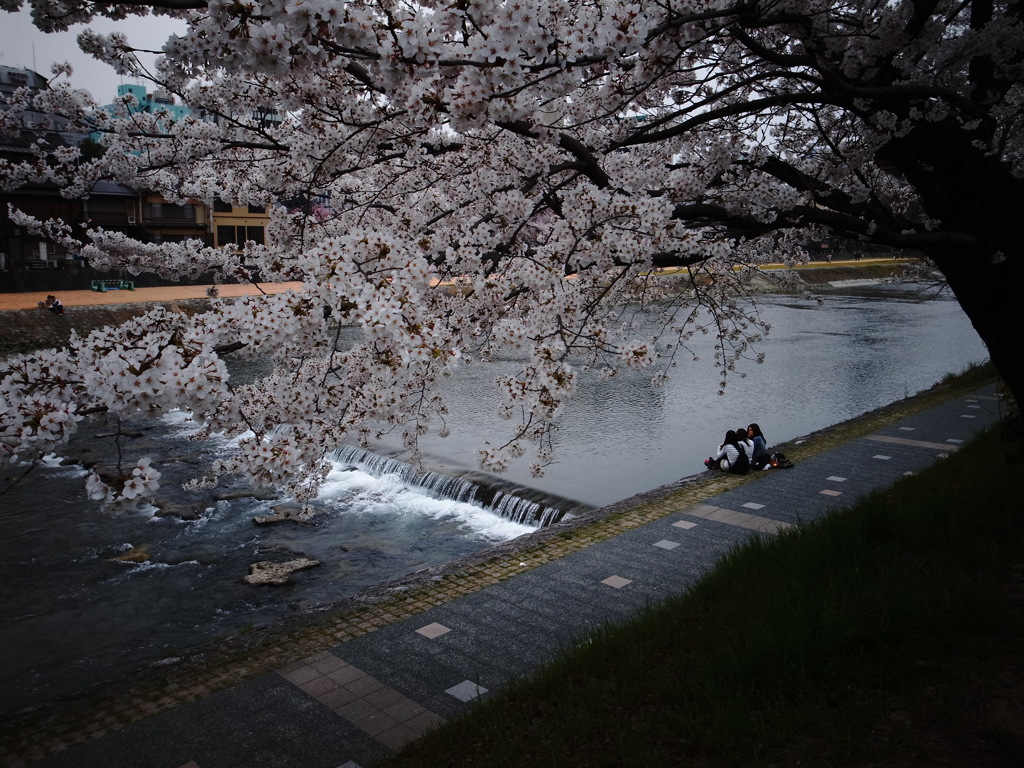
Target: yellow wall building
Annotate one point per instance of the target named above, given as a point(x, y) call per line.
point(239, 224)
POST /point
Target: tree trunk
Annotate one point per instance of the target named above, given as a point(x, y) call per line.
point(975, 194)
point(990, 296)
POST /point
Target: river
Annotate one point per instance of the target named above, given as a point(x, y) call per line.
point(75, 616)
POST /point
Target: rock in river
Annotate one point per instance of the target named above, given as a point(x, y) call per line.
point(266, 572)
point(293, 513)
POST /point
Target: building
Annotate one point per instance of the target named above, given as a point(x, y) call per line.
point(164, 222)
point(13, 78)
point(19, 248)
point(161, 101)
point(142, 215)
point(146, 103)
point(238, 224)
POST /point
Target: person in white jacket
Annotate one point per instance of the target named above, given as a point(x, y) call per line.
point(745, 443)
point(730, 456)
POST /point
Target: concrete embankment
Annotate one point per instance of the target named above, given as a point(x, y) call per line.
point(874, 269)
point(27, 329)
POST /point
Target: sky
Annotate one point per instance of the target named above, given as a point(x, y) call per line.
point(24, 46)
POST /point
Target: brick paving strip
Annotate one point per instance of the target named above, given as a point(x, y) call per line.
point(375, 708)
point(915, 443)
point(296, 653)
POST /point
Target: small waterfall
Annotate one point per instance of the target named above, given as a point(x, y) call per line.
point(484, 494)
point(524, 511)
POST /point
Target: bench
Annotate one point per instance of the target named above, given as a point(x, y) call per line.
point(113, 285)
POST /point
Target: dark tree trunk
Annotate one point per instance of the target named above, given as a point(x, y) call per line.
point(990, 296)
point(975, 194)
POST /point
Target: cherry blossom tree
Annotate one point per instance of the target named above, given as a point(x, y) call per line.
point(477, 176)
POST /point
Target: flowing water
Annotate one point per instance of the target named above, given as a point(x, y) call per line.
point(866, 346)
point(74, 615)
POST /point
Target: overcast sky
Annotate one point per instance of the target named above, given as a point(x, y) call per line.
point(22, 45)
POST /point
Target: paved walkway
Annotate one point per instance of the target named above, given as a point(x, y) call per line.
point(353, 703)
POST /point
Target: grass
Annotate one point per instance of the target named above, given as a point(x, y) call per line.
point(971, 370)
point(884, 635)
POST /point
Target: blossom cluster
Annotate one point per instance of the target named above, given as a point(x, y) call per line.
point(459, 182)
point(126, 490)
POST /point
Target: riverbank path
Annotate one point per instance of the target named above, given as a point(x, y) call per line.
point(349, 704)
point(31, 300)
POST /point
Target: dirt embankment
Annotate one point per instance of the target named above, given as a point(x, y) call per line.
point(28, 329)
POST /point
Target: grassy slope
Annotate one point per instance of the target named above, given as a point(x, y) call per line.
point(889, 635)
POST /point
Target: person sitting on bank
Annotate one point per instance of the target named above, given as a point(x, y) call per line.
point(52, 304)
point(730, 456)
point(745, 443)
point(760, 458)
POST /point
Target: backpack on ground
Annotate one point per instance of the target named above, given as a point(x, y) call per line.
point(780, 460)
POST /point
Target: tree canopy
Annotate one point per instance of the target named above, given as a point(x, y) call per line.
point(461, 177)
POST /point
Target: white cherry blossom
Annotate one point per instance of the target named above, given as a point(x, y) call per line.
point(463, 181)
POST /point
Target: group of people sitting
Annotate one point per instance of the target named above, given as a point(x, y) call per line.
point(52, 304)
point(743, 450)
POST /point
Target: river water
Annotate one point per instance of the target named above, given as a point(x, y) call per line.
point(75, 616)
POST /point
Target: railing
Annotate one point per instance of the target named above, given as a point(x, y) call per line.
point(112, 285)
point(116, 219)
point(167, 212)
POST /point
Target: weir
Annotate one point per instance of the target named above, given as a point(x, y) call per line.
point(521, 505)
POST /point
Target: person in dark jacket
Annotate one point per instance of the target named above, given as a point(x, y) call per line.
point(760, 458)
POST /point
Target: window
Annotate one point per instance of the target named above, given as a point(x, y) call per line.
point(226, 235)
point(169, 212)
point(219, 206)
point(257, 209)
point(239, 235)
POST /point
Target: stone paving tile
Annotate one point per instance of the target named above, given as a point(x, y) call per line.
point(422, 677)
point(398, 736)
point(359, 698)
point(667, 544)
point(337, 698)
point(467, 690)
point(433, 630)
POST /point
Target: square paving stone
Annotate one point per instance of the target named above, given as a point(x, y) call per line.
point(616, 582)
point(467, 690)
point(434, 630)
